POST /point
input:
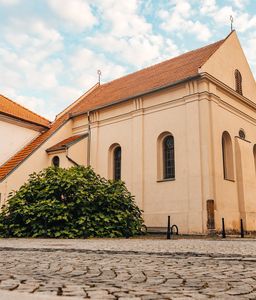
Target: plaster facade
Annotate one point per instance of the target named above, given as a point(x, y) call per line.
point(196, 112)
point(10, 143)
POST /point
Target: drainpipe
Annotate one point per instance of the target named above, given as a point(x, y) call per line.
point(89, 141)
point(70, 159)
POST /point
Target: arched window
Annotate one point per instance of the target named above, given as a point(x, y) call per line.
point(254, 155)
point(238, 79)
point(227, 155)
point(165, 156)
point(56, 161)
point(168, 157)
point(117, 153)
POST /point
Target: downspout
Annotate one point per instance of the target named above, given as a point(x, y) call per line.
point(70, 159)
point(89, 140)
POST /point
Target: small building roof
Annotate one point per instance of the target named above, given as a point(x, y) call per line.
point(65, 144)
point(17, 111)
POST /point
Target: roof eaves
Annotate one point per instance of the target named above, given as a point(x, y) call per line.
point(26, 109)
point(25, 120)
point(61, 148)
point(67, 145)
point(193, 77)
point(77, 140)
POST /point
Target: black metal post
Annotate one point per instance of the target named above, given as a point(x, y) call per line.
point(169, 228)
point(223, 229)
point(242, 228)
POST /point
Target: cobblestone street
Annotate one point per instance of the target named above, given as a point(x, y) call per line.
point(129, 269)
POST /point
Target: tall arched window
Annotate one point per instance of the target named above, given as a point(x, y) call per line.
point(254, 155)
point(227, 155)
point(117, 163)
point(238, 79)
point(56, 161)
point(168, 157)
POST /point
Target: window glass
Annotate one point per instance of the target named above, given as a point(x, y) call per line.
point(168, 157)
point(117, 163)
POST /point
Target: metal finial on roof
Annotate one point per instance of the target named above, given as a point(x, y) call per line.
point(231, 22)
point(99, 75)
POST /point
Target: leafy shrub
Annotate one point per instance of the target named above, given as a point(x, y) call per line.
point(70, 203)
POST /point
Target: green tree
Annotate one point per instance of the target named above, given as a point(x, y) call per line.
point(70, 203)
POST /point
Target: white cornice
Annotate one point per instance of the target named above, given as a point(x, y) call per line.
point(229, 90)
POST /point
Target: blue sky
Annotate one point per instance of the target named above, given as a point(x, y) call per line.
point(50, 50)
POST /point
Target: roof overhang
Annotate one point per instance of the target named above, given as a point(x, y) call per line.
point(172, 84)
point(66, 143)
point(22, 123)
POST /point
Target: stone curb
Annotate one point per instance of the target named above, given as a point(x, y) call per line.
point(175, 255)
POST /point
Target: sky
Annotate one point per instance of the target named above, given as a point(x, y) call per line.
point(50, 50)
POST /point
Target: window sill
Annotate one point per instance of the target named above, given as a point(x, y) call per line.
point(232, 180)
point(168, 179)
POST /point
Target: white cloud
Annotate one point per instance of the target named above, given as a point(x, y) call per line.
point(9, 2)
point(250, 50)
point(137, 50)
point(240, 3)
point(208, 6)
point(180, 20)
point(242, 21)
point(123, 18)
point(129, 36)
point(53, 57)
point(85, 63)
point(76, 12)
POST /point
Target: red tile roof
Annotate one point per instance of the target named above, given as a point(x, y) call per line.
point(66, 143)
point(148, 79)
point(132, 85)
point(15, 110)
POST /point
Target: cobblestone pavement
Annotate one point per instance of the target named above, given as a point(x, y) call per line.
point(118, 269)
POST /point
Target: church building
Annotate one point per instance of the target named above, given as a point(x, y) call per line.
point(181, 134)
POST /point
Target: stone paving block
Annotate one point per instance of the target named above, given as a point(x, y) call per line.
point(128, 275)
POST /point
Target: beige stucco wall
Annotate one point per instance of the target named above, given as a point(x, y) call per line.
point(136, 125)
point(234, 199)
point(196, 113)
point(226, 60)
point(34, 163)
point(77, 152)
point(14, 136)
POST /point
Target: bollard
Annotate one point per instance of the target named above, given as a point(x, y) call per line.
point(169, 228)
point(242, 228)
point(223, 229)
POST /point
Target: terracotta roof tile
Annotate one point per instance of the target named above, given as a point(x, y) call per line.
point(143, 81)
point(13, 109)
point(66, 143)
point(146, 80)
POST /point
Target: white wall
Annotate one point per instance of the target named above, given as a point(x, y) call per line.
point(13, 138)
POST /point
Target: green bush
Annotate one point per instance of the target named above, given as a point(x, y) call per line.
point(70, 203)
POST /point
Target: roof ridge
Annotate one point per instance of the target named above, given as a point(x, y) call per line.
point(27, 109)
point(79, 99)
point(163, 62)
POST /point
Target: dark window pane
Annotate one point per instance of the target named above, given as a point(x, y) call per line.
point(168, 157)
point(117, 163)
point(238, 79)
point(56, 161)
